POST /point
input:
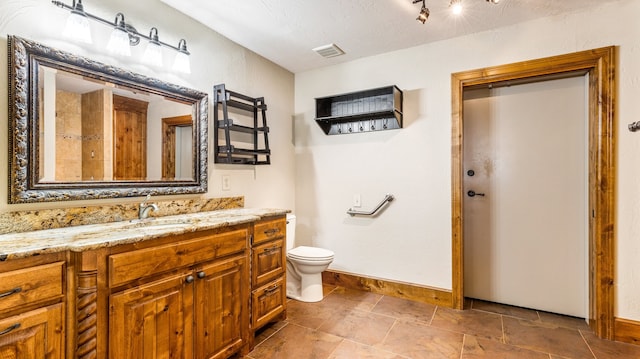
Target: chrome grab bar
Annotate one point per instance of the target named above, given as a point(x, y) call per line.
point(387, 198)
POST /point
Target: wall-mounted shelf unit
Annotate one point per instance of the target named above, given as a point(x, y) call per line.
point(243, 139)
point(362, 111)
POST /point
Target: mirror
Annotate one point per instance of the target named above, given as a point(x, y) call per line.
point(81, 129)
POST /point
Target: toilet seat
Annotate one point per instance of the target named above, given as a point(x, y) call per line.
point(310, 253)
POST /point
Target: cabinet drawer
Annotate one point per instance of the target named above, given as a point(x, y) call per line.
point(268, 302)
point(30, 285)
point(129, 266)
point(268, 230)
point(268, 262)
point(35, 334)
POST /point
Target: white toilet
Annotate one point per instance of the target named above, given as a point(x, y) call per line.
point(304, 267)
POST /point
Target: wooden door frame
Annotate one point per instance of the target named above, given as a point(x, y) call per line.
point(169, 125)
point(601, 67)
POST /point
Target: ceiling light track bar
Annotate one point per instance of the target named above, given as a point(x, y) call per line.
point(455, 5)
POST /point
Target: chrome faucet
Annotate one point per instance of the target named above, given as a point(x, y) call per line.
point(145, 208)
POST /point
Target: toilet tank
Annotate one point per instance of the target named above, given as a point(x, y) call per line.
point(291, 231)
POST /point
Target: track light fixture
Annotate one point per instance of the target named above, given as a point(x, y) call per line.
point(455, 5)
point(424, 12)
point(122, 37)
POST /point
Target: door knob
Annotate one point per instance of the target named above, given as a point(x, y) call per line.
point(473, 194)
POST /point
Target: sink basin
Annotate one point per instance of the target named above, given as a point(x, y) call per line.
point(159, 222)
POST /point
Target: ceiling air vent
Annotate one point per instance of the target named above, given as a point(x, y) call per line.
point(330, 50)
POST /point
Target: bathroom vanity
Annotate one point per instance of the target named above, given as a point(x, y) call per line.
point(188, 286)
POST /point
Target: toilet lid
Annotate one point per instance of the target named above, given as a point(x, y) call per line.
point(310, 252)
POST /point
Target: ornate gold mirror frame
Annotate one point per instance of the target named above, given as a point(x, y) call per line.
point(26, 60)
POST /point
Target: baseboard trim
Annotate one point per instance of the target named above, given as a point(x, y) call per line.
point(388, 287)
point(627, 331)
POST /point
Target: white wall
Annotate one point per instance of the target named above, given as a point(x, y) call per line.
point(156, 111)
point(411, 240)
point(214, 60)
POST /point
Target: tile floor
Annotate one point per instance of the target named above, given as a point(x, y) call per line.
point(350, 324)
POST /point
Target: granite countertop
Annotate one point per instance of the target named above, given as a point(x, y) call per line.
point(95, 236)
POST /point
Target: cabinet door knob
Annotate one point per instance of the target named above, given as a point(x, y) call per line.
point(189, 279)
point(201, 274)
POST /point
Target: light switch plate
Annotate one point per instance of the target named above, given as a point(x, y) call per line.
point(226, 183)
point(356, 200)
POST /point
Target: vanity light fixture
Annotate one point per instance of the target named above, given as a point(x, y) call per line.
point(153, 52)
point(123, 36)
point(181, 62)
point(455, 5)
point(77, 26)
point(119, 40)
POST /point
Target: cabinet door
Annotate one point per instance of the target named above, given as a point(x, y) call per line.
point(153, 320)
point(221, 308)
point(33, 335)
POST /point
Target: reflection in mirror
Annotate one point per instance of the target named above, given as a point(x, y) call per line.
point(93, 130)
point(177, 133)
point(81, 129)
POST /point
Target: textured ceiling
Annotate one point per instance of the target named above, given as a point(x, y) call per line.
point(285, 31)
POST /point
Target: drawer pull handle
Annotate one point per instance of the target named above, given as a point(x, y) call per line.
point(189, 279)
point(271, 291)
point(12, 291)
point(10, 329)
point(201, 274)
point(271, 232)
point(271, 250)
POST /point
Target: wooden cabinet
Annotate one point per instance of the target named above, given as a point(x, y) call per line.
point(186, 298)
point(268, 271)
point(198, 294)
point(32, 309)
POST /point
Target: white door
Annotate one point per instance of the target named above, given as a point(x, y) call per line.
point(525, 240)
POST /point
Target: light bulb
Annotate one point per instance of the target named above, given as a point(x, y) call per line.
point(153, 54)
point(78, 27)
point(119, 42)
point(456, 7)
point(182, 63)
